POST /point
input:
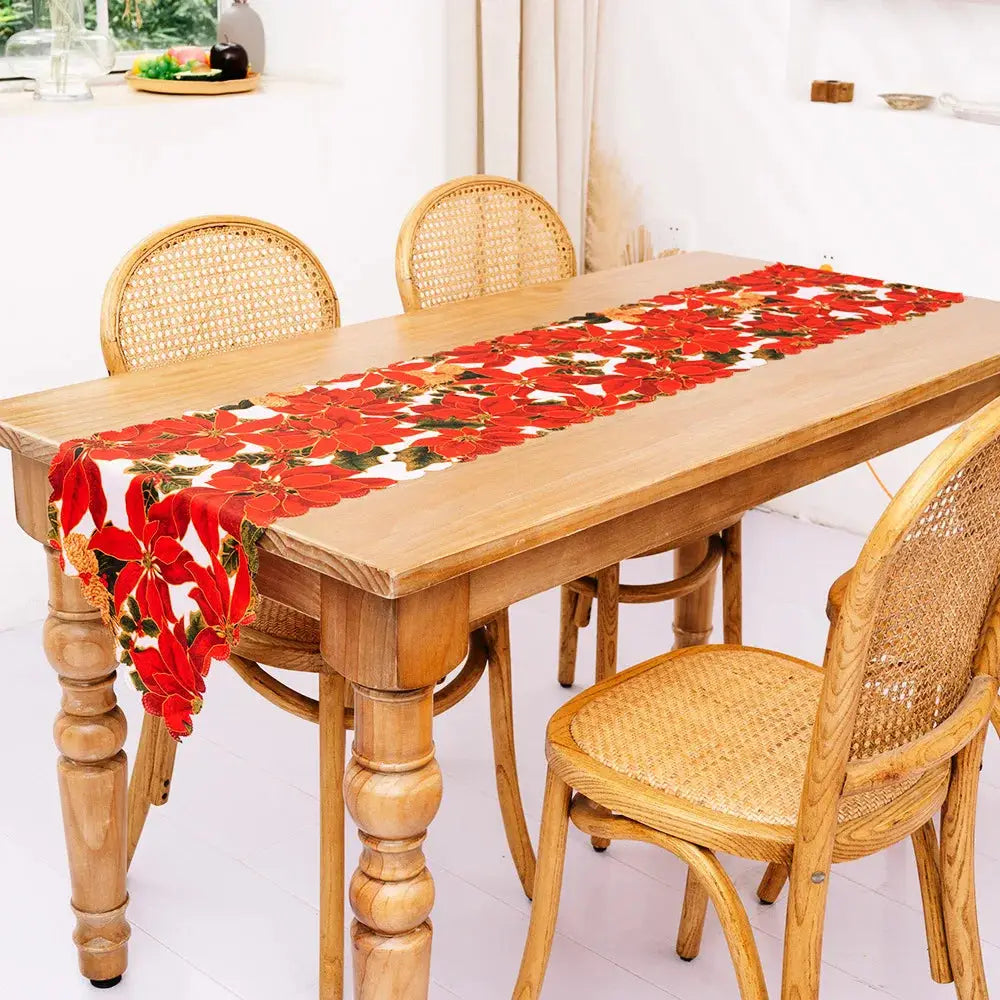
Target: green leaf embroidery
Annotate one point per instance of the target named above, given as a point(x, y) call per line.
point(229, 555)
point(417, 456)
point(250, 535)
point(731, 357)
point(358, 462)
point(196, 622)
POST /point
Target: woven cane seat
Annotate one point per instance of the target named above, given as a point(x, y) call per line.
point(724, 728)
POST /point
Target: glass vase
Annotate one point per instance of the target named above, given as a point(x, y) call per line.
point(59, 53)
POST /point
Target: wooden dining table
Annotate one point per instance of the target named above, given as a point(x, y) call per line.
point(397, 578)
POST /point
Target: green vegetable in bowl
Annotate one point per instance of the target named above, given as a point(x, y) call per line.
point(164, 67)
point(202, 73)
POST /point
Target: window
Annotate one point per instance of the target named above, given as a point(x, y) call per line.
point(135, 25)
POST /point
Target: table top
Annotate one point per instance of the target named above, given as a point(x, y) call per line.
point(398, 541)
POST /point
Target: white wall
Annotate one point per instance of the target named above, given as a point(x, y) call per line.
point(706, 106)
point(338, 163)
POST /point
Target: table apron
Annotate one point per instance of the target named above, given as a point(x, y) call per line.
point(707, 508)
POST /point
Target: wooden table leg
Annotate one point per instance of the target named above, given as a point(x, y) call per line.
point(331, 861)
point(90, 732)
point(693, 613)
point(393, 790)
point(393, 651)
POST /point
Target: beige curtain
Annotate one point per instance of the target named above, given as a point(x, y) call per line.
point(521, 95)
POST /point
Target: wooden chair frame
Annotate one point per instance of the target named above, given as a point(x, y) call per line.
point(489, 647)
point(940, 767)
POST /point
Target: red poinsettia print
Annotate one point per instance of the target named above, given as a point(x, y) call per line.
point(214, 436)
point(263, 495)
point(225, 605)
point(154, 559)
point(171, 679)
point(161, 521)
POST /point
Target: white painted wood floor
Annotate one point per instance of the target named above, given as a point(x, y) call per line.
point(224, 884)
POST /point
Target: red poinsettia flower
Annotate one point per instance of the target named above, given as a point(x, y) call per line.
point(589, 339)
point(686, 337)
point(154, 558)
point(412, 373)
point(173, 678)
point(459, 444)
point(502, 408)
point(672, 299)
point(489, 353)
point(359, 396)
point(666, 375)
point(214, 436)
point(327, 431)
point(593, 404)
point(224, 603)
point(76, 481)
point(264, 495)
point(519, 385)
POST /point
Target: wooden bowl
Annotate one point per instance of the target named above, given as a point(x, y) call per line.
point(200, 87)
point(907, 102)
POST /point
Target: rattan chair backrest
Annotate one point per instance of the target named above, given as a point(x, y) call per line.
point(924, 591)
point(476, 236)
point(208, 285)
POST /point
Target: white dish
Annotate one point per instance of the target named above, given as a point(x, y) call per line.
point(987, 112)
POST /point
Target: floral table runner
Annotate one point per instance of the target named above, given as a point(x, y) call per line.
point(161, 520)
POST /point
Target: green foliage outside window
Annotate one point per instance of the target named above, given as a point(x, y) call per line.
point(15, 15)
point(162, 23)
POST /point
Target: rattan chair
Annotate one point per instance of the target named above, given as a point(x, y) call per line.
point(480, 235)
point(224, 283)
point(777, 875)
point(759, 754)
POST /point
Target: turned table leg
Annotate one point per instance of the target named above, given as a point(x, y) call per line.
point(393, 790)
point(693, 612)
point(393, 651)
point(90, 732)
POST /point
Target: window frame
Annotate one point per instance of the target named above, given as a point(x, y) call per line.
point(9, 80)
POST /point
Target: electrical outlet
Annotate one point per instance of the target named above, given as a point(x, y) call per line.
point(674, 236)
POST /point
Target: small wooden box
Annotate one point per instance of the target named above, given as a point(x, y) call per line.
point(832, 91)
point(820, 90)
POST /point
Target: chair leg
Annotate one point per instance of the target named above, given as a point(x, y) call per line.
point(607, 644)
point(704, 867)
point(607, 623)
point(808, 887)
point(548, 886)
point(505, 761)
point(958, 831)
point(331, 858)
point(925, 847)
point(568, 635)
point(693, 612)
point(152, 773)
point(693, 914)
point(732, 584)
point(995, 716)
point(772, 883)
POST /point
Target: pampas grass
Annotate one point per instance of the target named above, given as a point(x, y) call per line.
point(611, 207)
point(612, 236)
